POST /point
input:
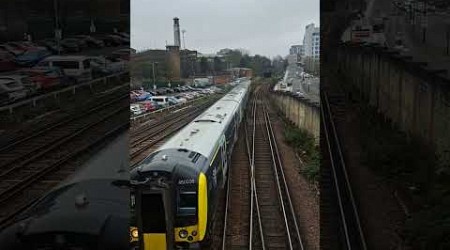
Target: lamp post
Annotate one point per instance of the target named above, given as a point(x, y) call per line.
point(154, 77)
point(58, 33)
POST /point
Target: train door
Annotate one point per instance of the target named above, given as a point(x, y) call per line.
point(223, 152)
point(155, 223)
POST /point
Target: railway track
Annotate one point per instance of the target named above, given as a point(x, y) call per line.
point(59, 118)
point(340, 219)
point(261, 203)
point(145, 138)
point(41, 162)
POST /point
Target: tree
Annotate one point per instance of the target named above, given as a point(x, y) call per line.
point(204, 67)
point(218, 64)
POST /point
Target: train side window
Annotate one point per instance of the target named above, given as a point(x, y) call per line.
point(187, 203)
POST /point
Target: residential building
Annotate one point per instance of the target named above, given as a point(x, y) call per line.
point(311, 41)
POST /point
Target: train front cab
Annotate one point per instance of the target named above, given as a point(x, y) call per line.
point(153, 220)
point(167, 218)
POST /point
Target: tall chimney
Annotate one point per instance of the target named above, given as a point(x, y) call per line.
point(176, 32)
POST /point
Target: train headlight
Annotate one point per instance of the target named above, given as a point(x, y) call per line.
point(183, 233)
point(134, 233)
point(194, 233)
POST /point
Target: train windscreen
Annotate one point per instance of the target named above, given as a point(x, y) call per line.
point(187, 203)
point(153, 214)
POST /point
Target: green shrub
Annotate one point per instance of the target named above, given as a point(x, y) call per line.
point(304, 144)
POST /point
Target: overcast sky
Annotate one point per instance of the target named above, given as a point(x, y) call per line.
point(265, 27)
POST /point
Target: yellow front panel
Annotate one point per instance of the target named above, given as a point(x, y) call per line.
point(155, 242)
point(190, 229)
point(202, 206)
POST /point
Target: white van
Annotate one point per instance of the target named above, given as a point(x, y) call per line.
point(161, 100)
point(76, 67)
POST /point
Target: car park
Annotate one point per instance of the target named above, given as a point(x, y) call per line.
point(76, 67)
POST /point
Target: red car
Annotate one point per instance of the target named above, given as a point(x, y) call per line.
point(44, 78)
point(6, 61)
point(148, 106)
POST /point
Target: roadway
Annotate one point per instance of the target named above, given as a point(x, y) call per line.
point(433, 50)
point(310, 87)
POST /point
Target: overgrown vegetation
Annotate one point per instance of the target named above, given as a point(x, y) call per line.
point(303, 143)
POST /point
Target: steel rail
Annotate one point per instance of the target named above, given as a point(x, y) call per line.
point(342, 188)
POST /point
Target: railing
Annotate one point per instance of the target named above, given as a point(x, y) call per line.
point(171, 107)
point(72, 89)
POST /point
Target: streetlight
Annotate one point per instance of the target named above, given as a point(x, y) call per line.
point(58, 33)
point(154, 78)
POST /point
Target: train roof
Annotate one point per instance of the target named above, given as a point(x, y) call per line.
point(206, 129)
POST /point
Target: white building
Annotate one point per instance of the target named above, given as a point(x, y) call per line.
point(292, 59)
point(311, 41)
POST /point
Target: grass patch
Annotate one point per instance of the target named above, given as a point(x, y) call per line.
point(304, 144)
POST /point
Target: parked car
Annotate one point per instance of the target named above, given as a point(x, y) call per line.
point(77, 68)
point(15, 87)
point(188, 96)
point(142, 95)
point(14, 51)
point(161, 91)
point(7, 61)
point(102, 66)
point(123, 40)
point(136, 109)
point(19, 46)
point(109, 40)
point(123, 34)
point(52, 46)
point(70, 45)
point(172, 100)
point(123, 54)
point(45, 78)
point(180, 99)
point(32, 57)
point(162, 101)
point(148, 106)
point(91, 41)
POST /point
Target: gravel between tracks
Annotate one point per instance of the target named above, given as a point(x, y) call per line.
point(304, 197)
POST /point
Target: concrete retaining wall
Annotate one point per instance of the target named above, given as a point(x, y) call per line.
point(300, 112)
point(415, 99)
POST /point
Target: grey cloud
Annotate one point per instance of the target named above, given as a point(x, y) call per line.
point(266, 27)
